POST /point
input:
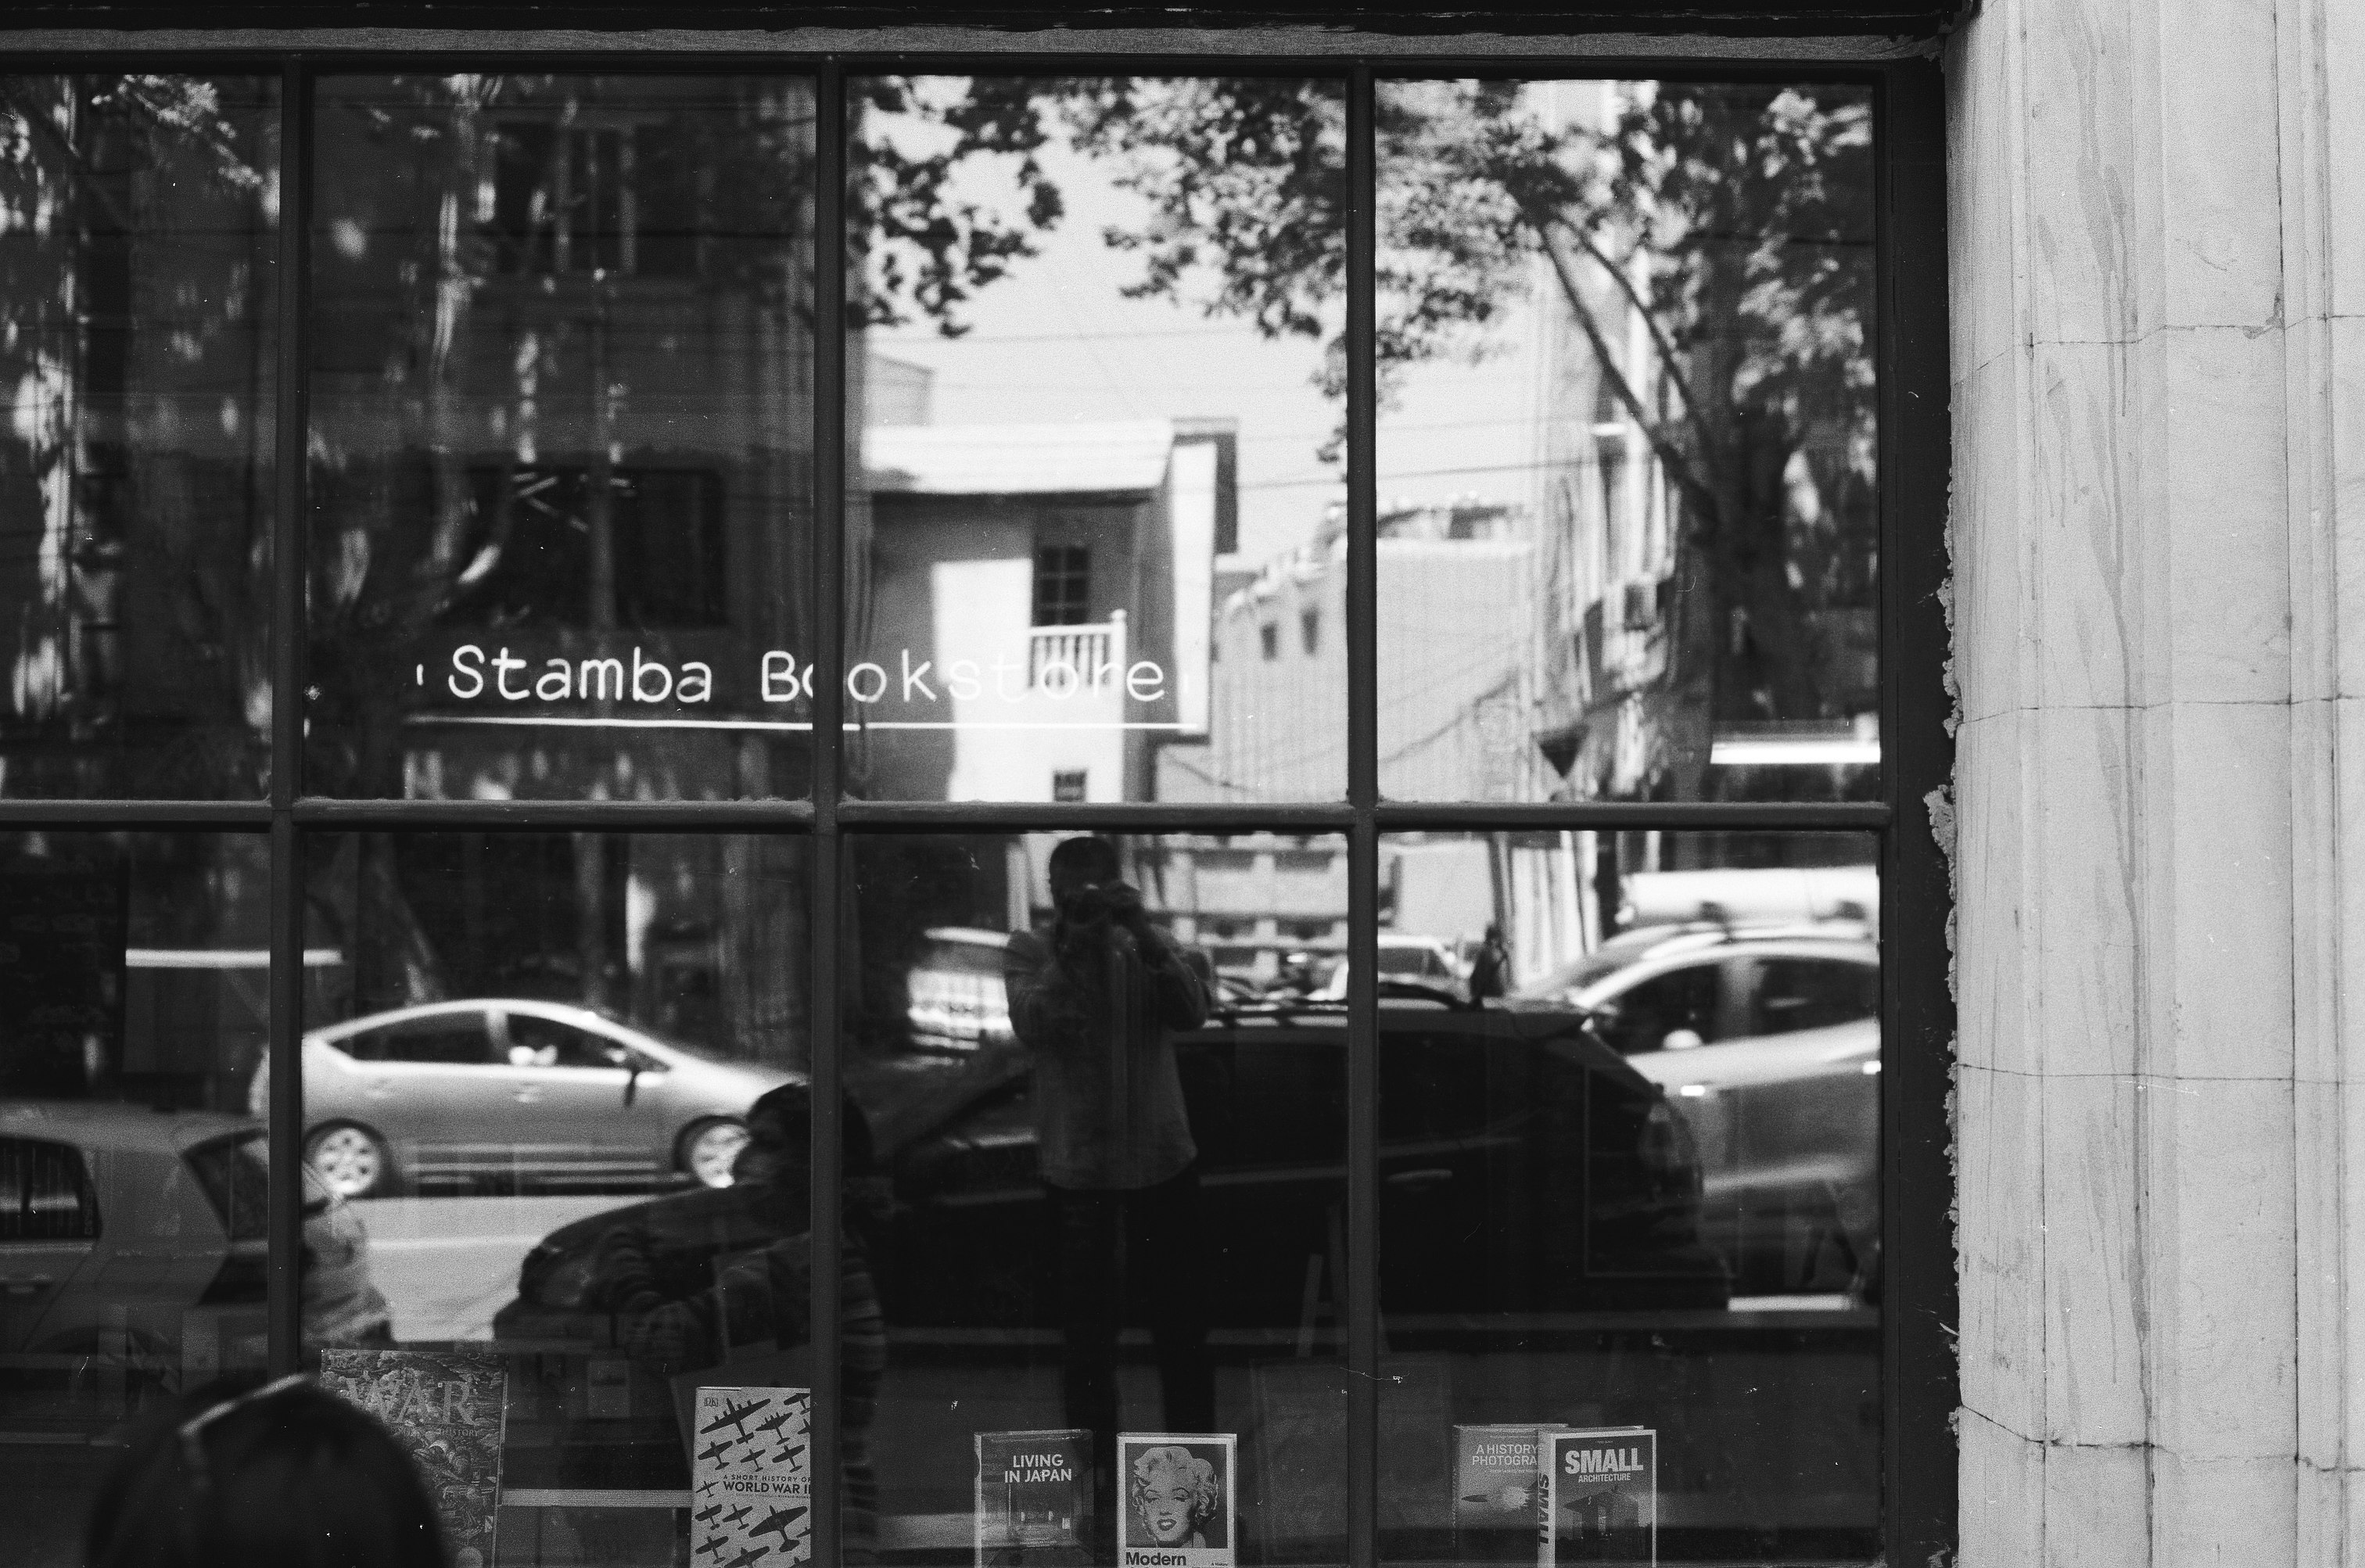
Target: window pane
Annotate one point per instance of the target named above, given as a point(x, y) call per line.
point(564, 1091)
point(562, 429)
point(1098, 363)
point(137, 303)
point(1633, 1183)
point(1108, 1169)
point(134, 1003)
point(1628, 521)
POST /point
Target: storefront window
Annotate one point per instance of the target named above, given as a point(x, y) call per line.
point(138, 305)
point(1101, 438)
point(1040, 819)
point(1627, 451)
point(562, 437)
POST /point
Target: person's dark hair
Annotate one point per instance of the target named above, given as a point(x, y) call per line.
point(1090, 859)
point(295, 1479)
point(789, 1109)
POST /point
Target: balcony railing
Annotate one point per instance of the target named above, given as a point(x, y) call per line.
point(1062, 660)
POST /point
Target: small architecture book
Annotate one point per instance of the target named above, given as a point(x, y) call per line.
point(450, 1411)
point(751, 1476)
point(1177, 1506)
point(1033, 1499)
point(1496, 1470)
point(1599, 1498)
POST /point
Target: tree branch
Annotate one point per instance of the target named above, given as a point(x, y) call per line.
point(1668, 360)
point(1670, 455)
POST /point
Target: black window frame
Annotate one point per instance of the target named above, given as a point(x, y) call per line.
point(1919, 1391)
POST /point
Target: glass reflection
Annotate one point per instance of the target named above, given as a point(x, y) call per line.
point(562, 429)
point(133, 1012)
point(137, 300)
point(566, 1089)
point(1629, 531)
point(1100, 392)
point(1113, 1139)
point(1630, 1135)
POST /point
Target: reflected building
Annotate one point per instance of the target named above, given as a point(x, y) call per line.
point(1035, 624)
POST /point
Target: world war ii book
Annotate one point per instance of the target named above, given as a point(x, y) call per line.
point(751, 1477)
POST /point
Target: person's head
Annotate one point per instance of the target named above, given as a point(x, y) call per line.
point(1175, 1491)
point(265, 1475)
point(779, 1151)
point(1080, 863)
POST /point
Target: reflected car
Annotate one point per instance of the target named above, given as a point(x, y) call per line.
point(1412, 960)
point(1768, 1039)
point(519, 1091)
point(1524, 1166)
point(956, 998)
point(128, 1234)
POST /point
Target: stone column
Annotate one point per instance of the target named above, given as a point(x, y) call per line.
point(2158, 219)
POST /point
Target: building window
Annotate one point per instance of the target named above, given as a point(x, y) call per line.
point(545, 551)
point(619, 762)
point(1063, 585)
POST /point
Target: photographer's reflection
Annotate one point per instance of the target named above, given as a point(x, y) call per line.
point(1097, 997)
point(758, 1296)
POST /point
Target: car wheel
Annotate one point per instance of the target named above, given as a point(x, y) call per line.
point(352, 1159)
point(709, 1150)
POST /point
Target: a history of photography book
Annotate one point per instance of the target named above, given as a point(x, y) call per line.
point(1034, 1498)
point(1177, 1502)
point(751, 1476)
point(449, 1409)
point(1599, 1500)
point(1496, 1470)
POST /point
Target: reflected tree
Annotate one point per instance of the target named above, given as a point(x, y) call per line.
point(1731, 224)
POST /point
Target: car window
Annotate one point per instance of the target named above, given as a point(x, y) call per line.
point(1811, 993)
point(1649, 1011)
point(1431, 1085)
point(234, 1172)
point(544, 1042)
point(45, 1192)
point(450, 1039)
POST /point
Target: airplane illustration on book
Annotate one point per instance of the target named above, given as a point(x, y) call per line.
point(775, 1424)
point(717, 1451)
point(787, 1452)
point(753, 1555)
point(741, 1512)
point(779, 1520)
point(707, 1513)
point(733, 1415)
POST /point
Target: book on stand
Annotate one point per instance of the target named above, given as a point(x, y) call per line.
point(1033, 1499)
point(1599, 1497)
point(449, 1409)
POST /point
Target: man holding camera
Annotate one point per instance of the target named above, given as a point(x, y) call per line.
point(1097, 997)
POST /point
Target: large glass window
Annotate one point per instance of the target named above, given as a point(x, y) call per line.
point(1101, 438)
point(1147, 812)
point(562, 437)
point(1627, 451)
point(137, 306)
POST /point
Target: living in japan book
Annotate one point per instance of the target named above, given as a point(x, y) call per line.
point(449, 1409)
point(1599, 1497)
point(1034, 1498)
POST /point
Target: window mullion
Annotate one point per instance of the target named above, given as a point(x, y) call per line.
point(827, 579)
point(1362, 842)
point(289, 490)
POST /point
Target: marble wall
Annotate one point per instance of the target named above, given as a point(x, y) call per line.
point(2158, 225)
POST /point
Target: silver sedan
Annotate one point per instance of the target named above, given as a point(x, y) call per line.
point(515, 1090)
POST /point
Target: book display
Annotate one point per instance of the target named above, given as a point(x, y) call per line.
point(1034, 1498)
point(751, 1476)
point(449, 1409)
point(1600, 1500)
point(1178, 1502)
